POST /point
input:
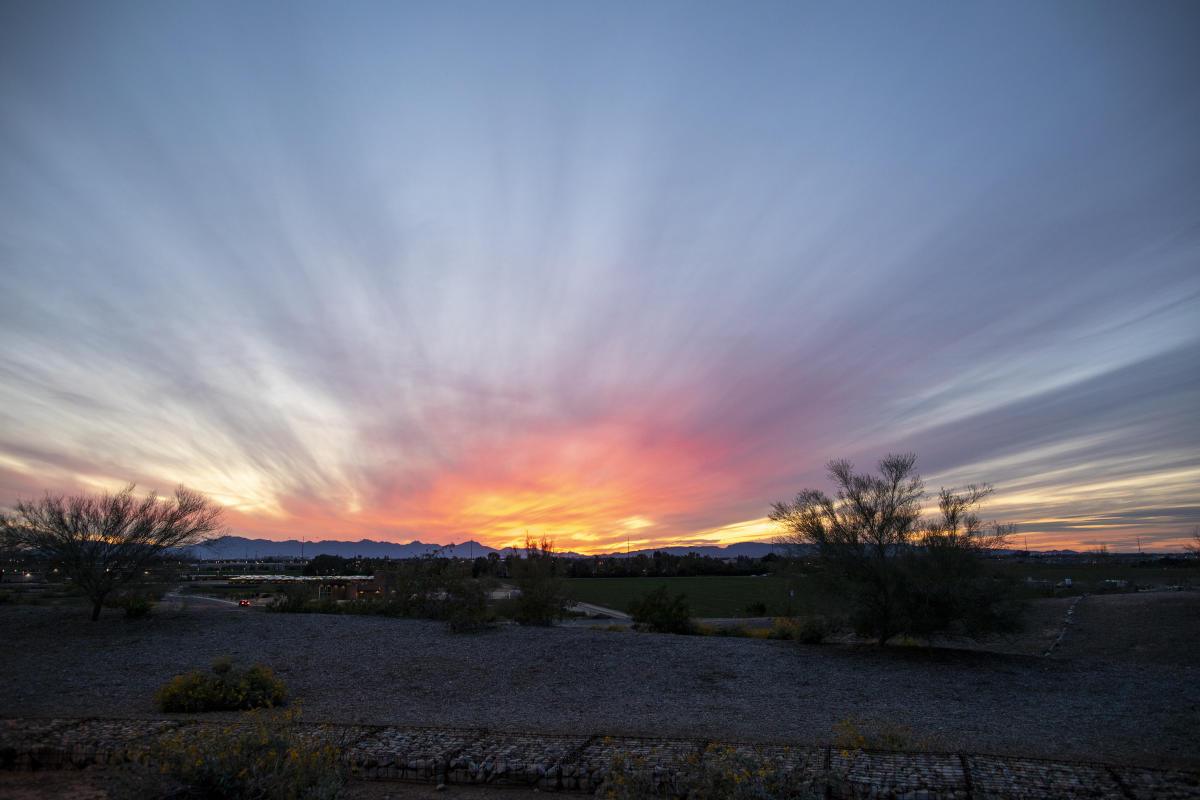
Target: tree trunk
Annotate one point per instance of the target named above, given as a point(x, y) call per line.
point(96, 608)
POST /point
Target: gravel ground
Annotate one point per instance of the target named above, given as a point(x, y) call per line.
point(1123, 687)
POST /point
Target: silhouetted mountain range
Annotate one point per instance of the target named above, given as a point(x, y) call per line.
point(238, 547)
point(235, 547)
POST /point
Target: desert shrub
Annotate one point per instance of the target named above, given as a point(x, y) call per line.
point(429, 587)
point(432, 587)
point(783, 628)
point(226, 689)
point(327, 605)
point(810, 630)
point(507, 608)
point(852, 735)
point(414, 587)
point(136, 603)
point(661, 612)
point(464, 601)
point(717, 773)
point(742, 775)
point(632, 777)
point(813, 630)
point(614, 627)
point(265, 758)
point(543, 591)
point(756, 609)
point(292, 599)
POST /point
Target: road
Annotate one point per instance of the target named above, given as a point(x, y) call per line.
point(175, 596)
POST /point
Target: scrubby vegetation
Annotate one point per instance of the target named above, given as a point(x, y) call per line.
point(807, 630)
point(464, 604)
point(136, 603)
point(716, 774)
point(853, 735)
point(813, 630)
point(266, 757)
point(747, 773)
point(543, 597)
point(420, 588)
point(899, 573)
point(662, 612)
point(225, 689)
point(452, 590)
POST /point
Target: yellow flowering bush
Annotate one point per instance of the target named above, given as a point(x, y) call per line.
point(782, 628)
point(226, 689)
point(719, 772)
point(267, 757)
point(852, 735)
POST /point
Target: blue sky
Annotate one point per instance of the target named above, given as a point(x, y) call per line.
point(602, 270)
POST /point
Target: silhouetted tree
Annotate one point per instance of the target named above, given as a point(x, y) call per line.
point(946, 585)
point(902, 576)
point(543, 592)
point(101, 542)
point(1193, 546)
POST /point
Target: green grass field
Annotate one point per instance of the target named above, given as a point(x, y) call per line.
point(707, 596)
point(799, 596)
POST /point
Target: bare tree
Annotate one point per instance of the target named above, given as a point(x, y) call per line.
point(1193, 546)
point(946, 585)
point(903, 576)
point(858, 533)
point(105, 541)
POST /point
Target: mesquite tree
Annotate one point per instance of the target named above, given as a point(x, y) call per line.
point(899, 574)
point(102, 542)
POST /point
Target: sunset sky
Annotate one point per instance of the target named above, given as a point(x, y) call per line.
point(602, 271)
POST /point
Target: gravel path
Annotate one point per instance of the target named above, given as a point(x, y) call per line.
point(1131, 708)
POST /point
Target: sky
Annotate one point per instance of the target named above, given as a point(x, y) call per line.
point(617, 274)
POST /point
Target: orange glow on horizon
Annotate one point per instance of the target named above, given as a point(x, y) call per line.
point(575, 535)
point(594, 489)
point(608, 485)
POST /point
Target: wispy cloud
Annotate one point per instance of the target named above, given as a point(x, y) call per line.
point(450, 270)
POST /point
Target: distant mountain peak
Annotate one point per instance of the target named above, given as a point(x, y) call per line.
point(237, 547)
